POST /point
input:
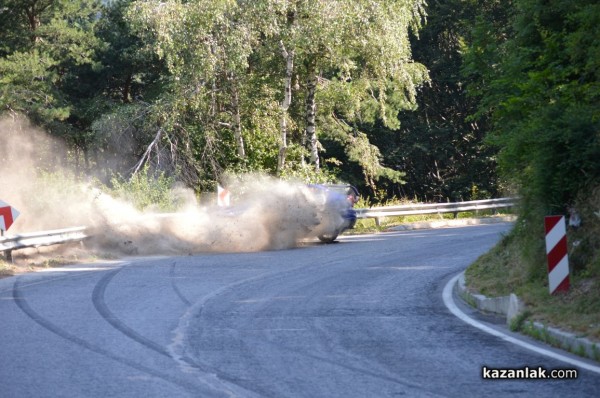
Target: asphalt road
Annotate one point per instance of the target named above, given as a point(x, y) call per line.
point(360, 318)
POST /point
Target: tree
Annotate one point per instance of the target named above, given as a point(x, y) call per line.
point(205, 45)
point(326, 63)
point(42, 39)
point(438, 145)
point(108, 99)
point(540, 90)
point(544, 99)
point(354, 58)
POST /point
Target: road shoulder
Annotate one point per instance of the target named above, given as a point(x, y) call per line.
point(509, 309)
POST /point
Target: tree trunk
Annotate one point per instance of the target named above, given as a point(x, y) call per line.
point(126, 91)
point(285, 104)
point(237, 132)
point(34, 22)
point(86, 159)
point(311, 107)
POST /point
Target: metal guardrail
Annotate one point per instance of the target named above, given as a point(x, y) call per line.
point(46, 238)
point(37, 239)
point(434, 208)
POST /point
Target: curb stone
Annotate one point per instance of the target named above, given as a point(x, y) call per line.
point(452, 223)
point(512, 307)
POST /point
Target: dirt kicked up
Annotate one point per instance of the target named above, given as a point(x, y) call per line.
point(267, 214)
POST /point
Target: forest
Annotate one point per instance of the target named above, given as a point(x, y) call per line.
point(443, 100)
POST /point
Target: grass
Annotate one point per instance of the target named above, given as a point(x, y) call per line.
point(369, 225)
point(22, 265)
point(577, 311)
point(510, 268)
point(6, 269)
point(497, 272)
point(543, 334)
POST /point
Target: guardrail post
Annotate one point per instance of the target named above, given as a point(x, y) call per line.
point(7, 253)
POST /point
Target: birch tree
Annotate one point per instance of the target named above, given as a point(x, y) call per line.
point(353, 62)
point(329, 65)
point(288, 56)
point(205, 45)
point(357, 67)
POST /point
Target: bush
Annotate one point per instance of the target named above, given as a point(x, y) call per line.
point(146, 190)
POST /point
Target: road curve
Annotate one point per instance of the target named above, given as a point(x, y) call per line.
point(360, 318)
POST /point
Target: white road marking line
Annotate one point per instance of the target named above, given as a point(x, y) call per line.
point(449, 302)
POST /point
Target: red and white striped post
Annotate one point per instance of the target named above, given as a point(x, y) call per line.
point(8, 215)
point(223, 197)
point(556, 251)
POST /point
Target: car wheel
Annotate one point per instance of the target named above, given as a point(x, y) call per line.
point(328, 238)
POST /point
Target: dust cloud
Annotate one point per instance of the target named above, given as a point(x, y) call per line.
point(267, 214)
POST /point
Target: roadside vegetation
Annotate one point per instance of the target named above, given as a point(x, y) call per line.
point(518, 265)
point(291, 89)
point(542, 96)
point(6, 269)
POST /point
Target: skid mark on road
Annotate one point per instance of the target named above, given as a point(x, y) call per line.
point(22, 303)
point(206, 375)
point(106, 313)
point(175, 287)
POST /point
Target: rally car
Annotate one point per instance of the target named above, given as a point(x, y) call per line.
point(336, 209)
